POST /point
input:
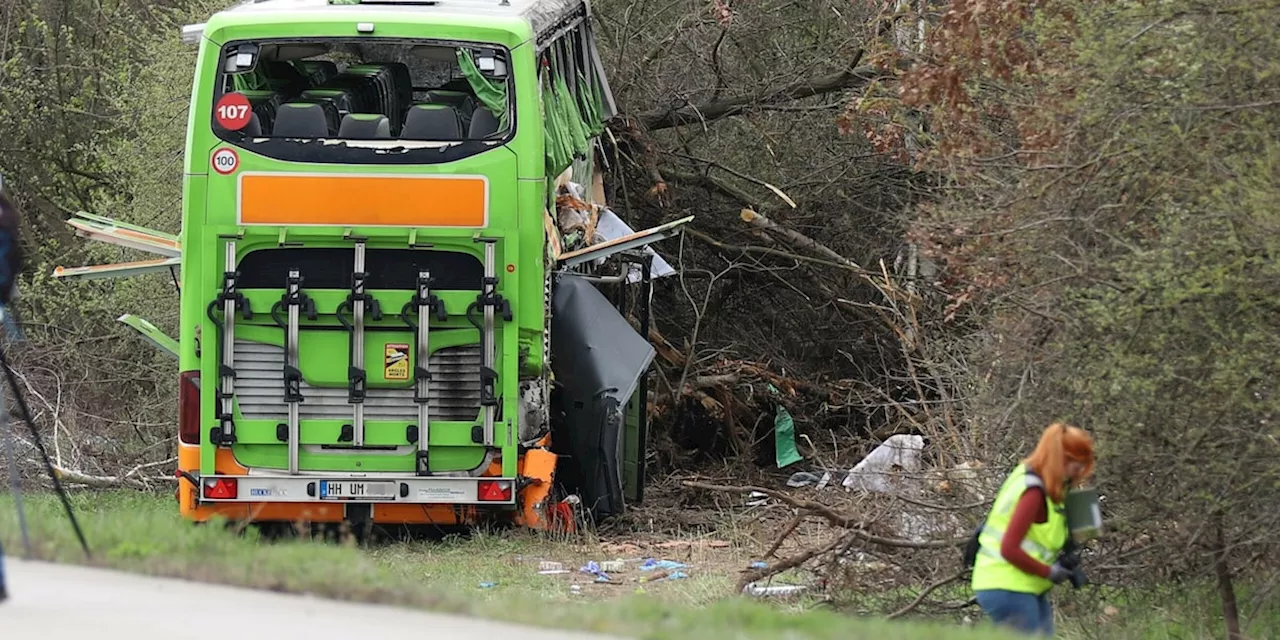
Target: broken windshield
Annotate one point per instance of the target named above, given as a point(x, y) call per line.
point(331, 97)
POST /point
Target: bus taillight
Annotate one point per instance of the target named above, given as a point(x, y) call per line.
point(494, 490)
point(189, 407)
point(221, 488)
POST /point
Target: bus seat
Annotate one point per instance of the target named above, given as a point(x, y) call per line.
point(383, 90)
point(483, 124)
point(285, 78)
point(403, 81)
point(264, 104)
point(459, 100)
point(460, 85)
point(301, 120)
point(431, 121)
point(254, 128)
point(364, 126)
point(342, 99)
point(319, 70)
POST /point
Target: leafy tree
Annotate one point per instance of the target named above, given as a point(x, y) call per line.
point(1109, 246)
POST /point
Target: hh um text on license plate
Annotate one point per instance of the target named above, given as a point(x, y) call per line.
point(356, 490)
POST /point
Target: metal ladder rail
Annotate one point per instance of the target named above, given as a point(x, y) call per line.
point(296, 301)
point(424, 303)
point(231, 300)
point(357, 378)
point(490, 301)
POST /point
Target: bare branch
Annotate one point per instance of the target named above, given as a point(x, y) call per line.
point(717, 109)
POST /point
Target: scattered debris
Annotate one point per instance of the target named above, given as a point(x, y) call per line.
point(771, 591)
point(806, 478)
point(613, 566)
point(488, 585)
point(594, 569)
point(664, 575)
point(666, 565)
point(708, 544)
point(784, 436)
point(621, 549)
point(803, 479)
point(547, 566)
point(878, 472)
point(759, 564)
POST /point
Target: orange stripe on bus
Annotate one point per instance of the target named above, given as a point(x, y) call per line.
point(408, 201)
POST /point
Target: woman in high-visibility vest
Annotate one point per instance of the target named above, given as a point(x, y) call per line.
point(1020, 542)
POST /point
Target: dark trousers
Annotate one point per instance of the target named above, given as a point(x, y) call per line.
point(1025, 612)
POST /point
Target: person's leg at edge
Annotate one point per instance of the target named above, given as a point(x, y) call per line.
point(1020, 611)
point(4, 592)
point(1046, 616)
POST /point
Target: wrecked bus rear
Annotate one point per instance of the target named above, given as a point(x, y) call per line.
point(375, 293)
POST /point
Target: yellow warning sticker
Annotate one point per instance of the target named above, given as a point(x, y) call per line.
point(396, 363)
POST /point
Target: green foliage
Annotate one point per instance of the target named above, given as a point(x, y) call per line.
point(92, 117)
point(1124, 275)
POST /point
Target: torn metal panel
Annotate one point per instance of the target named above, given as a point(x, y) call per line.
point(153, 334)
point(117, 270)
point(125, 235)
point(598, 361)
point(611, 227)
point(622, 243)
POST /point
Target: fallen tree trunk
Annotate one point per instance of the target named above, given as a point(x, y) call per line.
point(717, 109)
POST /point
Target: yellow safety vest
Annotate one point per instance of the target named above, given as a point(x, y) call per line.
point(1042, 542)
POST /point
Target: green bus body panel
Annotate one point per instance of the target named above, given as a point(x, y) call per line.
point(516, 177)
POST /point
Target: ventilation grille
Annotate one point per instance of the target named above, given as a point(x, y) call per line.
point(454, 390)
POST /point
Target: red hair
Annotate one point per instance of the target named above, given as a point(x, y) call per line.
point(1060, 443)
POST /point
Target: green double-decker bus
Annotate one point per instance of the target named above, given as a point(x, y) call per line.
point(385, 317)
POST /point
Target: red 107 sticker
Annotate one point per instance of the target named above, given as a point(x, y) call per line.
point(225, 161)
point(233, 111)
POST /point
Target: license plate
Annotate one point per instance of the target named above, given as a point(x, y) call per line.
point(357, 490)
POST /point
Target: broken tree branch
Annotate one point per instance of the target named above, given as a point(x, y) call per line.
point(790, 528)
point(107, 482)
point(855, 525)
point(924, 594)
point(753, 575)
point(717, 109)
point(795, 238)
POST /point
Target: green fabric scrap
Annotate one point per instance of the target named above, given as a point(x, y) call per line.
point(492, 94)
point(784, 436)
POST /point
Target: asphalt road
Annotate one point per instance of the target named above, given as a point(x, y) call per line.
point(53, 601)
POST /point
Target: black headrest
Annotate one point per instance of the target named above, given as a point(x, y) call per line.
point(364, 126)
point(459, 100)
point(432, 122)
point(301, 120)
point(286, 77)
point(254, 128)
point(483, 124)
point(319, 70)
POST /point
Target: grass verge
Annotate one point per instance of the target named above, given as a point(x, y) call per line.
point(143, 534)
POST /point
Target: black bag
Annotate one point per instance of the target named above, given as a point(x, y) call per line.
point(971, 548)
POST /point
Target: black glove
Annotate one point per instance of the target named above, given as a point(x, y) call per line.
point(1059, 574)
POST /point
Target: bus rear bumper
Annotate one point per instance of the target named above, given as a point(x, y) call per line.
point(491, 491)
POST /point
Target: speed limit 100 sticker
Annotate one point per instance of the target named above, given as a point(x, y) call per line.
point(225, 161)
